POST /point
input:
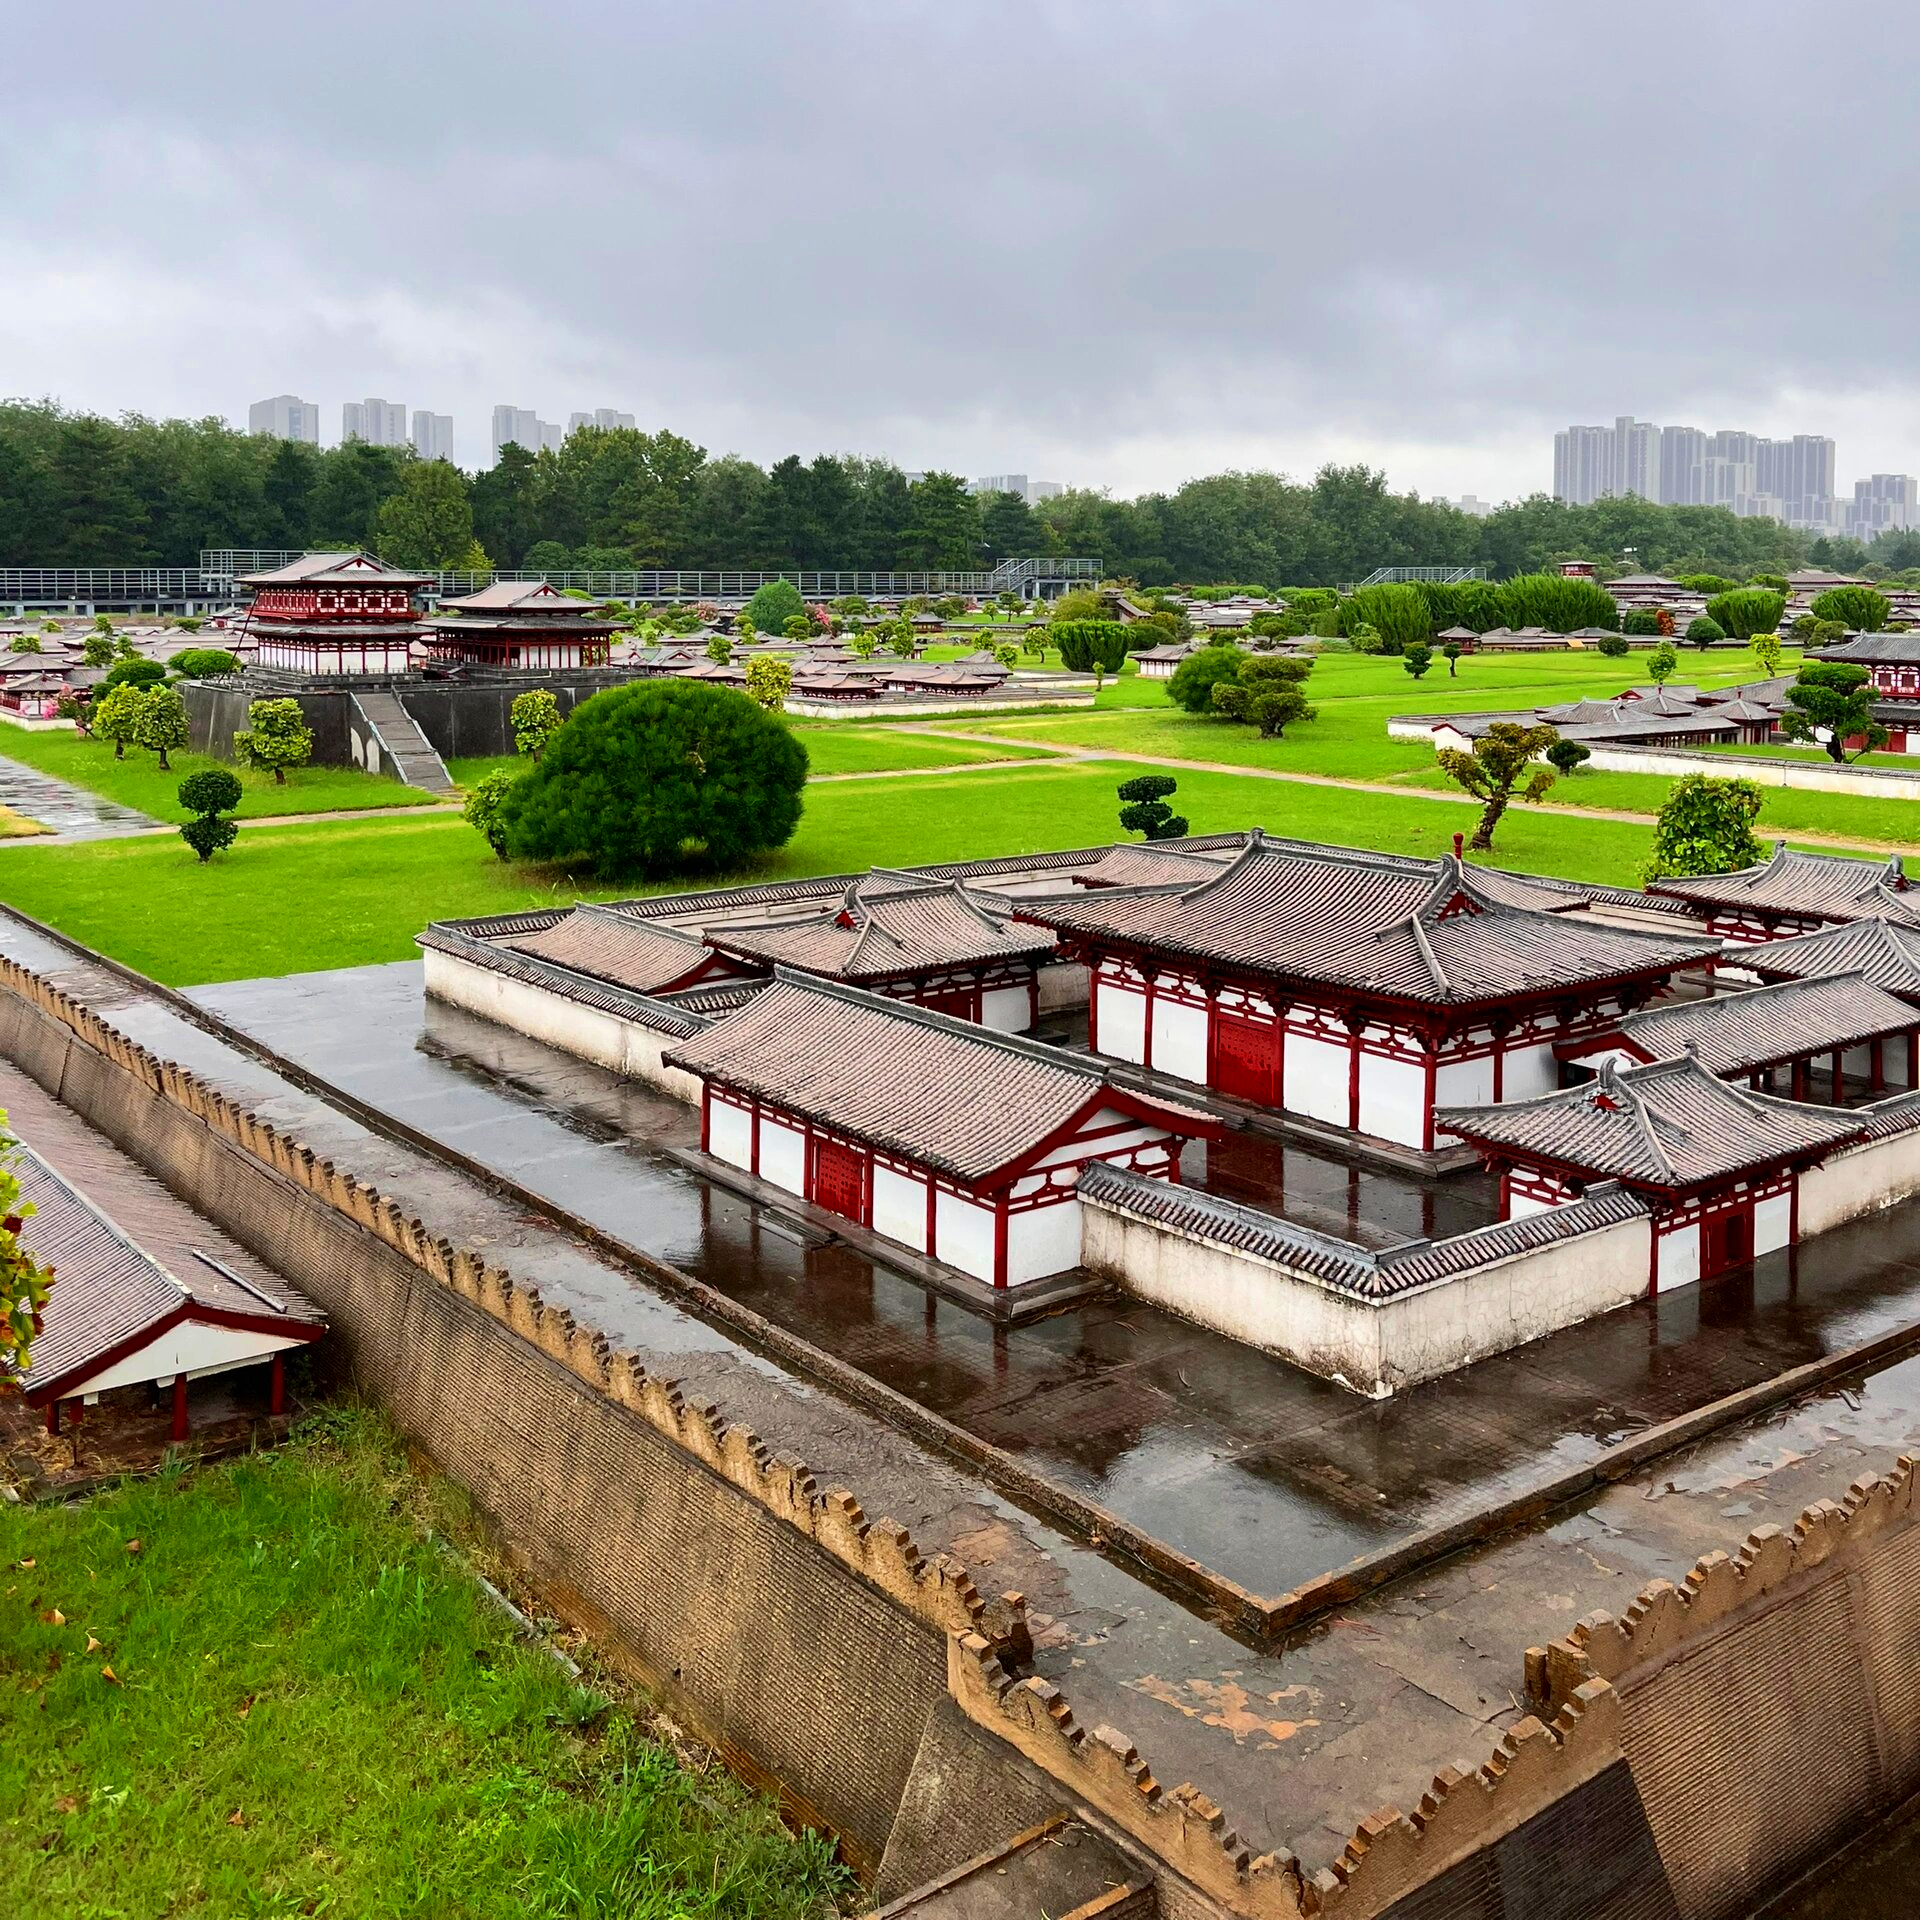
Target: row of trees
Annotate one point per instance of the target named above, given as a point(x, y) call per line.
point(77, 490)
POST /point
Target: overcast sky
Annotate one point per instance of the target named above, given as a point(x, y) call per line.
point(1118, 244)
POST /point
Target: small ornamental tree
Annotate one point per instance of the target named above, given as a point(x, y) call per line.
point(135, 673)
point(796, 627)
point(96, 650)
point(1643, 621)
point(1417, 659)
point(1766, 648)
point(720, 647)
point(1821, 634)
point(1831, 703)
point(210, 796)
point(1195, 678)
point(1663, 622)
point(77, 708)
point(1747, 611)
point(481, 809)
point(1086, 644)
point(161, 724)
point(1146, 810)
point(1566, 755)
point(116, 716)
point(1494, 768)
point(901, 638)
point(657, 777)
point(1613, 646)
point(26, 643)
point(1451, 654)
point(774, 605)
point(1702, 632)
point(199, 663)
point(1661, 663)
point(1007, 654)
point(23, 1280)
point(536, 719)
point(1858, 609)
point(769, 682)
point(1707, 583)
point(1265, 694)
point(862, 642)
point(1705, 826)
point(276, 737)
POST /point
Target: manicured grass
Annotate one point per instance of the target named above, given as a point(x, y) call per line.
point(148, 903)
point(138, 782)
point(313, 1710)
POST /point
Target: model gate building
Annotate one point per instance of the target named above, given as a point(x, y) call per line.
point(1358, 990)
point(524, 625)
point(335, 613)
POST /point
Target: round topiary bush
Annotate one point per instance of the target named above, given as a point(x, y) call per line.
point(214, 790)
point(774, 605)
point(1195, 677)
point(656, 778)
point(1703, 632)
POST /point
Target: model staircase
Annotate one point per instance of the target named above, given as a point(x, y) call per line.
point(414, 761)
point(1059, 1870)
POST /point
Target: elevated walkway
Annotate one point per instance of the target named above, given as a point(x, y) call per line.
point(406, 754)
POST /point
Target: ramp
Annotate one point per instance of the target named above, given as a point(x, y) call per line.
point(405, 752)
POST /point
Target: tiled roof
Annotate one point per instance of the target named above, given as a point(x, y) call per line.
point(1670, 1125)
point(1403, 929)
point(107, 1290)
point(613, 947)
point(880, 930)
point(336, 570)
point(1826, 886)
point(1887, 952)
point(941, 1091)
point(1891, 648)
point(1737, 1032)
point(524, 596)
point(1341, 1264)
point(1148, 864)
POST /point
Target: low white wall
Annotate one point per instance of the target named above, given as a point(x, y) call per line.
point(1879, 1174)
point(730, 1134)
point(1180, 1040)
point(963, 1235)
point(783, 1155)
point(900, 1207)
point(623, 1046)
point(1006, 1009)
point(1043, 1241)
point(1376, 1349)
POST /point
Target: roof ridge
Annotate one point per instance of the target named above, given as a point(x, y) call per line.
point(1627, 1100)
point(611, 916)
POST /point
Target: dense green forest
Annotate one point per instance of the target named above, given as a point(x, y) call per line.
point(77, 490)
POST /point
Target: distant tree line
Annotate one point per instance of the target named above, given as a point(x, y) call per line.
point(78, 490)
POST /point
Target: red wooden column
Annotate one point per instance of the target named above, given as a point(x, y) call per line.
point(277, 1392)
point(53, 1418)
point(1876, 1067)
point(179, 1406)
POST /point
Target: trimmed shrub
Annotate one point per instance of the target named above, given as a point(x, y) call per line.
point(1087, 644)
point(774, 605)
point(1859, 609)
point(1702, 632)
point(1195, 678)
point(1556, 602)
point(1643, 621)
point(1747, 610)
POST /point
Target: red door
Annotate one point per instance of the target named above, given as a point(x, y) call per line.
point(962, 1002)
point(1726, 1241)
point(1246, 1058)
point(840, 1179)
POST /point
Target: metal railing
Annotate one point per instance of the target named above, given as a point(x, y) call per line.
point(1392, 576)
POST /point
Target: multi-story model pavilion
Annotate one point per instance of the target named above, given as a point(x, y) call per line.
point(526, 624)
point(1355, 989)
point(335, 613)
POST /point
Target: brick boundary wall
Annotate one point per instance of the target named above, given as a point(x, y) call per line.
point(815, 1648)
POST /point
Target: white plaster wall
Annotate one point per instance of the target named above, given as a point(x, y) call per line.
point(1679, 1257)
point(1121, 1022)
point(963, 1235)
point(624, 1046)
point(1519, 1205)
point(1880, 1174)
point(1005, 1009)
point(1107, 1149)
point(1045, 1241)
point(190, 1348)
point(1393, 1099)
point(1180, 1040)
point(1528, 1071)
point(1464, 1083)
point(1772, 1223)
point(730, 1134)
point(1316, 1078)
point(1062, 985)
point(1375, 1349)
point(783, 1155)
point(900, 1207)
point(1816, 776)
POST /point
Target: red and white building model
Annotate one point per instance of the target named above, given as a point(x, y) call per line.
point(1793, 893)
point(956, 1142)
point(1354, 989)
point(335, 613)
point(522, 624)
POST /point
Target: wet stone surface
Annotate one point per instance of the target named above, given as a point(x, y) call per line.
point(1264, 1473)
point(67, 811)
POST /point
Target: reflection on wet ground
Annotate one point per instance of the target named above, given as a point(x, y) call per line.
point(66, 810)
point(1265, 1473)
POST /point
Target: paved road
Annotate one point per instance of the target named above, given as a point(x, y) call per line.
point(68, 812)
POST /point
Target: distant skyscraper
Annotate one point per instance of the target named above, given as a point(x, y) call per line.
point(1583, 464)
point(1683, 466)
point(1803, 478)
point(433, 435)
point(1473, 504)
point(1028, 490)
point(380, 423)
point(1045, 490)
point(604, 417)
point(552, 436)
point(1884, 503)
point(285, 417)
point(1636, 457)
point(521, 425)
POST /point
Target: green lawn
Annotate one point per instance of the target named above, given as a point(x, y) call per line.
point(835, 747)
point(314, 1711)
point(147, 901)
point(138, 782)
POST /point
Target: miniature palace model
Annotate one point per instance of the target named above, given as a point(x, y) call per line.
point(525, 624)
point(1021, 1070)
point(335, 613)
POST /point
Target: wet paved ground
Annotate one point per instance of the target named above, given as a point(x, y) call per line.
point(68, 811)
point(1356, 1711)
point(1262, 1472)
